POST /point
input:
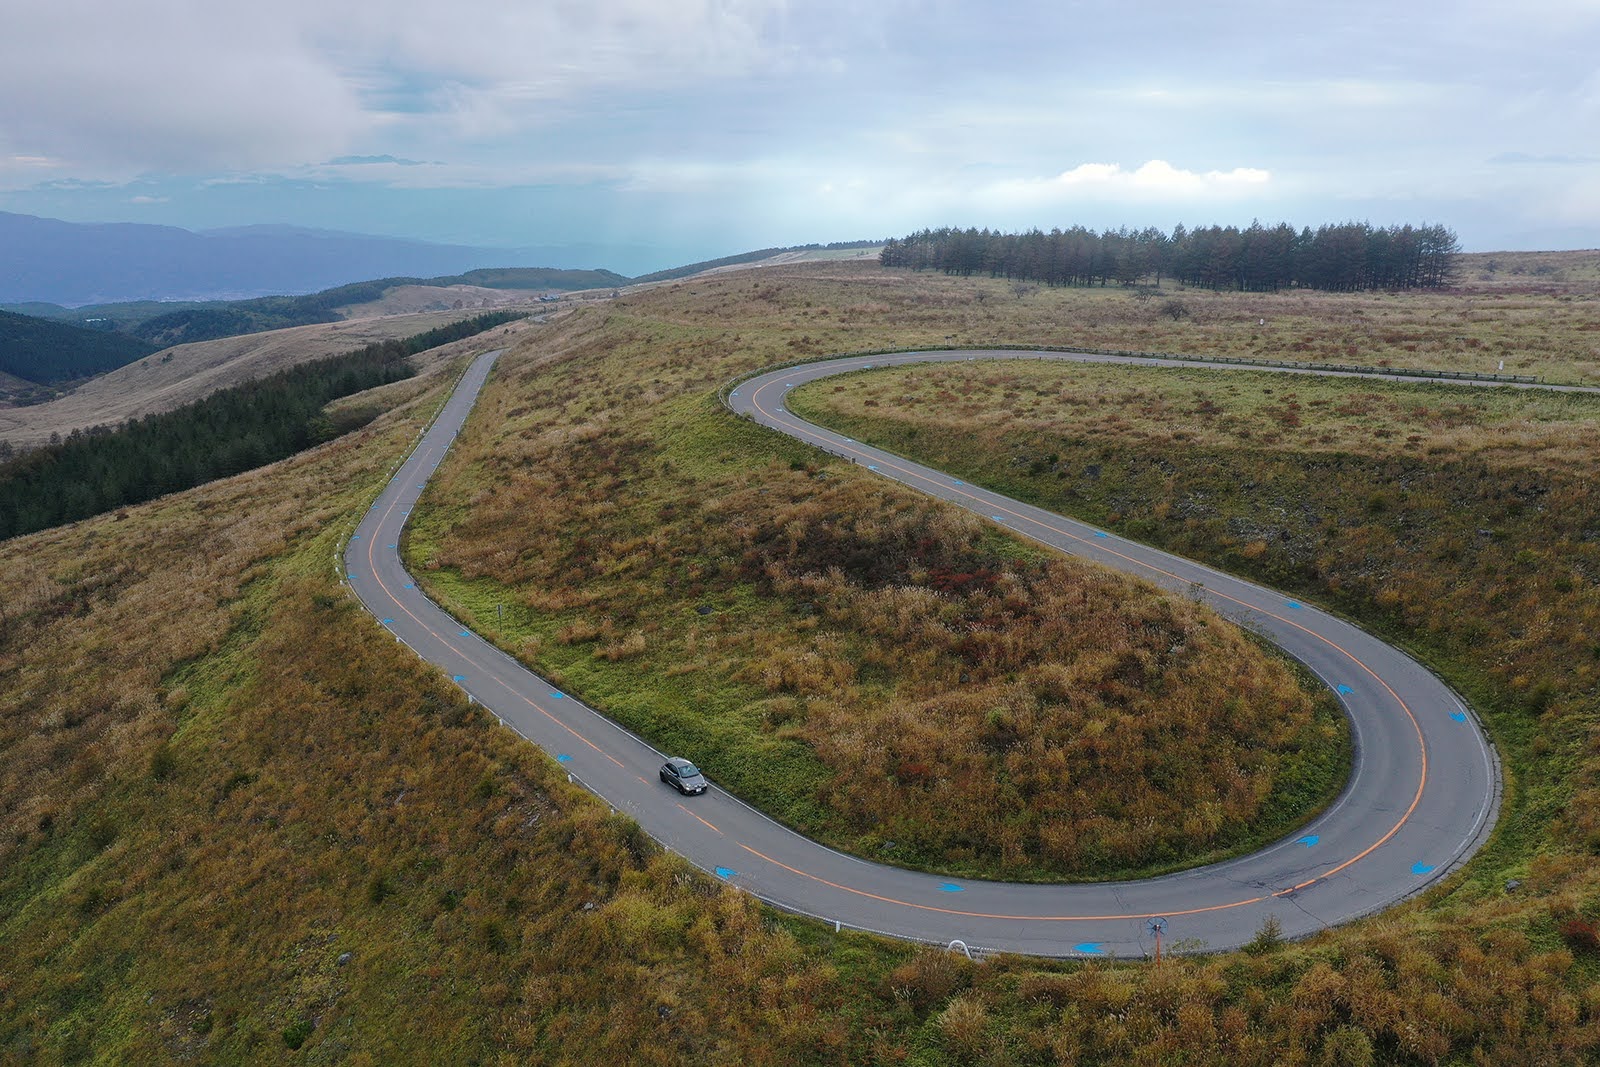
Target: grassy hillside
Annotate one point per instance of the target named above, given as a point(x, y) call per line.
point(217, 777)
point(881, 671)
point(118, 316)
point(230, 431)
point(234, 317)
point(177, 376)
point(45, 352)
point(535, 278)
point(758, 256)
point(242, 826)
point(1456, 519)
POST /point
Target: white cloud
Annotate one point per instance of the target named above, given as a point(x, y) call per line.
point(832, 118)
point(177, 85)
point(173, 84)
point(1156, 180)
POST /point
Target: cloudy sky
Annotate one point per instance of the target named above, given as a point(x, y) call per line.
point(672, 130)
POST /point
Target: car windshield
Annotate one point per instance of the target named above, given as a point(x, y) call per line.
point(685, 770)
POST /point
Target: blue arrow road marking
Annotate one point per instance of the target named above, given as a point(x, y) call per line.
point(1421, 868)
point(1343, 690)
point(958, 481)
point(1459, 716)
point(997, 518)
point(951, 887)
point(1101, 533)
point(1308, 840)
point(388, 546)
point(563, 758)
point(464, 633)
point(1294, 604)
point(726, 872)
point(355, 537)
point(872, 466)
point(558, 696)
point(458, 677)
point(388, 622)
point(1092, 947)
point(410, 585)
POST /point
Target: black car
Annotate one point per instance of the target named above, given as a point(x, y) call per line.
point(683, 776)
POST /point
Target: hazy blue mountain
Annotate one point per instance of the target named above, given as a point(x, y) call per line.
point(50, 261)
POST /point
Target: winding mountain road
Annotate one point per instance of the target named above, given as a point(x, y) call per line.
point(1422, 796)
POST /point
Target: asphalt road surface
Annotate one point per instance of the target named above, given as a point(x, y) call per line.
point(1422, 796)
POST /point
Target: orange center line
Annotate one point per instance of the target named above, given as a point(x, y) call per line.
point(372, 563)
point(992, 915)
point(911, 475)
point(692, 815)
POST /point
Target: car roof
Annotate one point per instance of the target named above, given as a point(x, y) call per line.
point(679, 761)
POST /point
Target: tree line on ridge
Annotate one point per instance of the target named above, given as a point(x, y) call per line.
point(1344, 257)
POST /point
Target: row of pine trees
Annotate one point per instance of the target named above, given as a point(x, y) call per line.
point(1346, 257)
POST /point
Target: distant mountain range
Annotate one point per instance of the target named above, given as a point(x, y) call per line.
point(67, 263)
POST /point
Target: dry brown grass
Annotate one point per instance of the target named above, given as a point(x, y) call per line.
point(874, 668)
point(218, 777)
point(197, 840)
point(416, 299)
point(1557, 272)
point(1547, 330)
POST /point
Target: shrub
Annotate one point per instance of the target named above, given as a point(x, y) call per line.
point(295, 1034)
point(1581, 935)
point(163, 764)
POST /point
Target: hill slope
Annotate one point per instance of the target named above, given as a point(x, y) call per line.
point(240, 824)
point(45, 352)
point(179, 375)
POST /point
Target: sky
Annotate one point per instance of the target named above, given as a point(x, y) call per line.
point(658, 132)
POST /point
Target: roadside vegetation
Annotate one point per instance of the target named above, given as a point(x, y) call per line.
point(240, 825)
point(218, 777)
point(878, 670)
